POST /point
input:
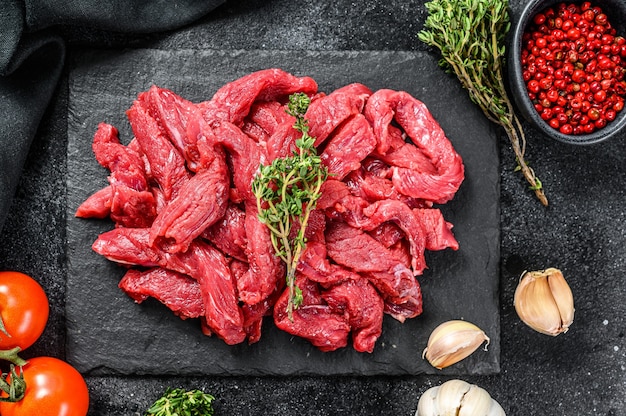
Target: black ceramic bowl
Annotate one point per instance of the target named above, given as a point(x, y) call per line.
point(616, 12)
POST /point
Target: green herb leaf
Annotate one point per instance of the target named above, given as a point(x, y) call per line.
point(179, 402)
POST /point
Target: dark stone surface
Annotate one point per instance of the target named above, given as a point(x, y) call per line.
point(461, 284)
point(582, 232)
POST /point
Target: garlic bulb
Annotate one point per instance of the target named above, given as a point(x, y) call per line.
point(544, 301)
point(453, 341)
point(458, 398)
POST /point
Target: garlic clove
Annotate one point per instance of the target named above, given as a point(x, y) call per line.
point(478, 402)
point(562, 296)
point(442, 400)
point(457, 398)
point(450, 396)
point(426, 404)
point(544, 301)
point(496, 409)
point(452, 341)
point(475, 402)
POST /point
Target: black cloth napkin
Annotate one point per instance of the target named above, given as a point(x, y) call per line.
point(32, 56)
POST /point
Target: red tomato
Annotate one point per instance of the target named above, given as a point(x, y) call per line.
point(23, 308)
point(53, 388)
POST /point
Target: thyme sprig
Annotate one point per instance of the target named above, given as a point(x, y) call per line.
point(470, 35)
point(179, 402)
point(286, 192)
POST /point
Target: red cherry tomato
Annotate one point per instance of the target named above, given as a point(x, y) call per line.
point(53, 388)
point(23, 308)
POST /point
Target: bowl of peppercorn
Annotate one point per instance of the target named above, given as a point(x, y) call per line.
point(566, 68)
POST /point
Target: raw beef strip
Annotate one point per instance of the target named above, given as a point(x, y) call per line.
point(314, 264)
point(358, 213)
point(409, 156)
point(424, 131)
point(246, 157)
point(363, 306)
point(132, 208)
point(372, 185)
point(401, 252)
point(125, 165)
point(355, 249)
point(167, 165)
point(229, 233)
point(358, 251)
point(131, 203)
point(326, 113)
point(316, 226)
point(129, 246)
point(200, 202)
point(348, 146)
point(400, 214)
point(388, 234)
point(208, 265)
point(178, 292)
point(282, 142)
point(206, 139)
point(263, 119)
point(125, 206)
point(355, 89)
point(256, 133)
point(438, 231)
point(400, 291)
point(266, 269)
point(331, 191)
point(254, 314)
point(233, 101)
point(172, 113)
point(97, 205)
point(135, 147)
point(201, 261)
point(313, 320)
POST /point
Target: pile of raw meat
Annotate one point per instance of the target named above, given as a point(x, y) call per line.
point(186, 221)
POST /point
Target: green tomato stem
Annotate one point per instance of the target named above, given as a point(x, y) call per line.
point(11, 356)
point(16, 388)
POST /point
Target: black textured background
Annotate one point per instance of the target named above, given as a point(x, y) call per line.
point(582, 232)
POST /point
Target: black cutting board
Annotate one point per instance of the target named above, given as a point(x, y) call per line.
point(108, 333)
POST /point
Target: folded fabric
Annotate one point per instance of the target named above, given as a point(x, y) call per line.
point(32, 56)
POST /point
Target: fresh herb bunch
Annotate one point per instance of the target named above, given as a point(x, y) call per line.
point(287, 192)
point(179, 402)
point(471, 37)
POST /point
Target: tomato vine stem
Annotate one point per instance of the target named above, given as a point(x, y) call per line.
point(16, 388)
point(12, 356)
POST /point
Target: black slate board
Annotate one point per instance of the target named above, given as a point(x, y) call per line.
point(107, 333)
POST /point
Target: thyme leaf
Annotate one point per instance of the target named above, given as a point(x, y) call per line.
point(470, 34)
